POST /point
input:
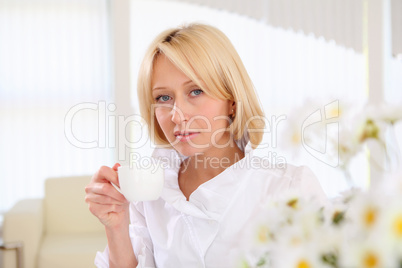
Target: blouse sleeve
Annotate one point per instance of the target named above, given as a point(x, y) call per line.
point(304, 181)
point(140, 240)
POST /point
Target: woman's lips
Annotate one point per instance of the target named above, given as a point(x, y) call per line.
point(186, 136)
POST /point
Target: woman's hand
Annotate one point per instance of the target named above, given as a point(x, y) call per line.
point(104, 201)
point(112, 209)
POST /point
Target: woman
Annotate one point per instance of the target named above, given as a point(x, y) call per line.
point(199, 102)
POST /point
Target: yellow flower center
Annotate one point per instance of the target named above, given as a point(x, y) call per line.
point(303, 264)
point(370, 130)
point(370, 217)
point(263, 234)
point(370, 260)
point(398, 225)
point(293, 203)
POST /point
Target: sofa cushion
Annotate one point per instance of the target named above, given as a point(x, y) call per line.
point(67, 251)
point(65, 208)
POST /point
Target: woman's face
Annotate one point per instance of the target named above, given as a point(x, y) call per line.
point(192, 121)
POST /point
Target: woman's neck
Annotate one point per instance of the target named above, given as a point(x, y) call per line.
point(200, 168)
point(215, 160)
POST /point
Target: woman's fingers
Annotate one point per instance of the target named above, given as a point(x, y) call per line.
point(101, 182)
point(116, 166)
point(106, 191)
point(103, 199)
point(106, 174)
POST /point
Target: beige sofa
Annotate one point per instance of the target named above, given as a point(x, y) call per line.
point(57, 231)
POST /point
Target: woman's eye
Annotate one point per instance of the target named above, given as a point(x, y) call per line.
point(196, 92)
point(163, 98)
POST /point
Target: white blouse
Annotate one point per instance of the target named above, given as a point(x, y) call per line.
point(206, 230)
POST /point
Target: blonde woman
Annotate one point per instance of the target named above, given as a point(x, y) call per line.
point(202, 110)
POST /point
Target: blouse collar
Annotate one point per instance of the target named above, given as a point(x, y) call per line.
point(211, 198)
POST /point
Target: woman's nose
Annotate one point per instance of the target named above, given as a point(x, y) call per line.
point(178, 114)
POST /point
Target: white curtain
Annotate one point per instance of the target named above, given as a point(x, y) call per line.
point(54, 56)
point(339, 20)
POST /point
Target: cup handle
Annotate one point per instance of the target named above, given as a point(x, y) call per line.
point(117, 187)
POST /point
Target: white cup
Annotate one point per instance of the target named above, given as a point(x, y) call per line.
point(140, 184)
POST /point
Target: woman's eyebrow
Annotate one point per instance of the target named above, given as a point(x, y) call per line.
point(159, 88)
point(184, 84)
point(188, 82)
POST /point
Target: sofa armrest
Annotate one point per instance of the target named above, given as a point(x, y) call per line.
point(24, 222)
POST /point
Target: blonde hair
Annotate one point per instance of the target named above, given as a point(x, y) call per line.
point(204, 53)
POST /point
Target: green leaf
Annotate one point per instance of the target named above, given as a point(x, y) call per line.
point(338, 217)
point(261, 262)
point(331, 259)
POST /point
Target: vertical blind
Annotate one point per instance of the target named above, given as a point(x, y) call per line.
point(340, 20)
point(54, 55)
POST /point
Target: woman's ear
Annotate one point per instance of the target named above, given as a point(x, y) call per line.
point(232, 109)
